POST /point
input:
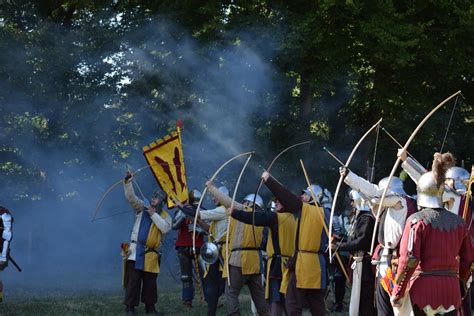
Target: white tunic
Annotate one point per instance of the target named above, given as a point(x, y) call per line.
point(394, 223)
point(219, 216)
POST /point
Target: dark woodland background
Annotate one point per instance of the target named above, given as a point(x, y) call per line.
point(85, 84)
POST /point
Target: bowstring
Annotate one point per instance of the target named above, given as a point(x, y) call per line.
point(136, 183)
point(375, 155)
point(449, 124)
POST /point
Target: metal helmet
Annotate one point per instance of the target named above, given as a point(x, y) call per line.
point(271, 206)
point(194, 196)
point(178, 219)
point(460, 177)
point(209, 252)
point(395, 187)
point(317, 191)
point(327, 199)
point(359, 202)
point(428, 192)
point(258, 200)
point(159, 194)
point(223, 189)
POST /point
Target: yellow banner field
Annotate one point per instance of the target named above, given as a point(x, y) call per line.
point(165, 156)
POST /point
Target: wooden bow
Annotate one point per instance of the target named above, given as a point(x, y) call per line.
point(205, 190)
point(261, 181)
point(336, 193)
point(112, 187)
point(397, 162)
point(468, 196)
point(230, 218)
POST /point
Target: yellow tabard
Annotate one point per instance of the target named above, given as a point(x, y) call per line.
point(250, 259)
point(153, 242)
point(286, 239)
point(220, 243)
point(308, 266)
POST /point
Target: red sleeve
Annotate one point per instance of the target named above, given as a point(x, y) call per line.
point(405, 269)
point(466, 257)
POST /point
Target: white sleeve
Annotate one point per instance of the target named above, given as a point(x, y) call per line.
point(368, 189)
point(414, 169)
point(389, 201)
point(131, 197)
point(216, 214)
point(163, 224)
point(224, 199)
point(4, 254)
point(6, 235)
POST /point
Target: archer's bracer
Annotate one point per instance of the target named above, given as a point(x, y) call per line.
point(395, 187)
point(429, 194)
point(460, 177)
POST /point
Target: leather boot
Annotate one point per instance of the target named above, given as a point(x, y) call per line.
point(131, 311)
point(150, 310)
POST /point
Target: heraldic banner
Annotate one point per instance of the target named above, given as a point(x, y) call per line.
point(165, 157)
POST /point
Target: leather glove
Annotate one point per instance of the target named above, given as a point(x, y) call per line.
point(343, 171)
point(402, 154)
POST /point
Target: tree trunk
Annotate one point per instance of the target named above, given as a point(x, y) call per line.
point(306, 98)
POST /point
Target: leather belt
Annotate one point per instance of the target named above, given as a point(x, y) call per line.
point(276, 255)
point(452, 273)
point(315, 252)
point(245, 248)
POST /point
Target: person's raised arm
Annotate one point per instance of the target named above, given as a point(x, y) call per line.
point(223, 199)
point(261, 218)
point(290, 202)
point(411, 167)
point(216, 214)
point(359, 184)
point(130, 195)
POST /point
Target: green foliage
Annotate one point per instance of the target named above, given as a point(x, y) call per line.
point(338, 66)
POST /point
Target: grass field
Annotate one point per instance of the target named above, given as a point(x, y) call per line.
point(102, 296)
point(104, 303)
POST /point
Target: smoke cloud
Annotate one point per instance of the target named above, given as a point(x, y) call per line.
point(136, 83)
